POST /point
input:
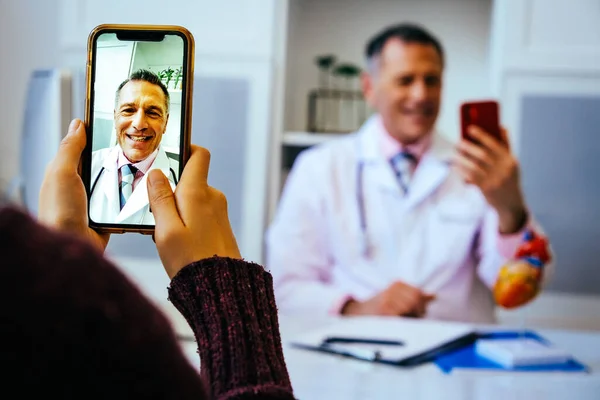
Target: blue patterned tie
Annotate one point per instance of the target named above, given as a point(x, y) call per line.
point(403, 165)
point(127, 175)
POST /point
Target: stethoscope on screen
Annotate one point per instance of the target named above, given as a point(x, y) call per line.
point(102, 170)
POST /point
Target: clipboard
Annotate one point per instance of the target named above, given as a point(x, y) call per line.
point(402, 342)
point(380, 357)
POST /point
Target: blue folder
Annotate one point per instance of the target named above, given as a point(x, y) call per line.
point(467, 357)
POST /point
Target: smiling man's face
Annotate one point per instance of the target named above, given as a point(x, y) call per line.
point(406, 89)
point(140, 119)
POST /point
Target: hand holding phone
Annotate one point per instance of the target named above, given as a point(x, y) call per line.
point(485, 115)
point(484, 159)
point(138, 118)
point(63, 201)
point(192, 223)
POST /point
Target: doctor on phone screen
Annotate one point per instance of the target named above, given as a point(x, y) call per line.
point(119, 173)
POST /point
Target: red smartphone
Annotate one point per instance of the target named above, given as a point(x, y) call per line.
point(484, 114)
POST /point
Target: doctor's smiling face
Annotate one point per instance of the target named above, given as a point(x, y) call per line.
point(404, 83)
point(141, 116)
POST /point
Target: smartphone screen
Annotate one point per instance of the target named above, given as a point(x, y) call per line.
point(484, 114)
point(139, 95)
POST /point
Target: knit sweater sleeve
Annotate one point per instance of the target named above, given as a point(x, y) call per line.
point(230, 306)
point(75, 325)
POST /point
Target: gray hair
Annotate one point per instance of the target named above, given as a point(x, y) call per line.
point(407, 33)
point(146, 76)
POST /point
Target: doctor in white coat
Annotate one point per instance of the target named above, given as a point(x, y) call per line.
point(394, 219)
point(141, 116)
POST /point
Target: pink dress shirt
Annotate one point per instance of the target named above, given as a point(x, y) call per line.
point(142, 166)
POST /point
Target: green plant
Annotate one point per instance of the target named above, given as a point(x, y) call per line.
point(347, 71)
point(178, 76)
point(325, 62)
point(168, 75)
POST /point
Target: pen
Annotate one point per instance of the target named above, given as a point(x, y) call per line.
point(383, 342)
point(362, 354)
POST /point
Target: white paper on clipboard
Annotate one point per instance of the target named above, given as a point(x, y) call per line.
point(418, 336)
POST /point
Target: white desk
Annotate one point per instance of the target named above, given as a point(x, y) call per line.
point(324, 376)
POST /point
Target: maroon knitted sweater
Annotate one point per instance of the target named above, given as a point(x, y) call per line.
point(73, 326)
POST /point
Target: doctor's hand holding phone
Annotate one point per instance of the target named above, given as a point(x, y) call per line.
point(484, 159)
point(138, 119)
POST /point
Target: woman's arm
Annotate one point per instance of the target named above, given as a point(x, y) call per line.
point(230, 306)
point(239, 341)
point(74, 325)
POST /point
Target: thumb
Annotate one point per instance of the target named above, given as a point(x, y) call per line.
point(504, 137)
point(162, 201)
point(72, 145)
point(429, 297)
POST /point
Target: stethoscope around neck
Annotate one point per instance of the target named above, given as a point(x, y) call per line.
point(367, 249)
point(102, 170)
point(365, 238)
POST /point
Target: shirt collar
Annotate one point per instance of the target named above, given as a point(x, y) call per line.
point(390, 146)
point(142, 166)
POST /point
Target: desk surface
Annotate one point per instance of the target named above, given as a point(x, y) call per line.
point(324, 376)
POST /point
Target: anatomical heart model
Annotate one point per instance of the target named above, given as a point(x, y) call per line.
point(519, 280)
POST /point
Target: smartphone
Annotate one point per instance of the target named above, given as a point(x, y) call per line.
point(138, 117)
point(484, 114)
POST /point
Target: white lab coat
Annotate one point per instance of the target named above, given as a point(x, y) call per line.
point(441, 237)
point(104, 201)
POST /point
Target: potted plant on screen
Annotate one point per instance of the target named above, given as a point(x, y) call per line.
point(178, 76)
point(168, 74)
point(162, 76)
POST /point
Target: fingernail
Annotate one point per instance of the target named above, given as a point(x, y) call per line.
point(74, 125)
point(473, 130)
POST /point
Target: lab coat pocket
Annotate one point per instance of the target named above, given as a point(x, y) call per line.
point(456, 224)
point(458, 211)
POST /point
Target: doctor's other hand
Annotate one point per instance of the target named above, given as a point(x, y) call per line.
point(63, 200)
point(191, 224)
point(399, 299)
point(492, 167)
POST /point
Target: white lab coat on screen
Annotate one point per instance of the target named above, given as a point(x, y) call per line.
point(105, 199)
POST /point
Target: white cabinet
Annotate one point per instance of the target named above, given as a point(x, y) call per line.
point(550, 36)
point(538, 46)
point(235, 28)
